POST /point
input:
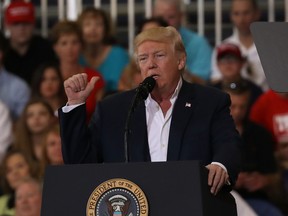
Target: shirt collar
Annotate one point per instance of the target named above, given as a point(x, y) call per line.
point(173, 98)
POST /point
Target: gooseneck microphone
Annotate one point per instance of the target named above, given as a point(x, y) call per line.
point(142, 92)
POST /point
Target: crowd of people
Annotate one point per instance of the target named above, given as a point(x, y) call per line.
point(33, 70)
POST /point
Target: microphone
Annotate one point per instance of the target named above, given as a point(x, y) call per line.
point(145, 87)
point(142, 92)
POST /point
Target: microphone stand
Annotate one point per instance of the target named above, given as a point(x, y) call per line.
point(142, 93)
point(127, 125)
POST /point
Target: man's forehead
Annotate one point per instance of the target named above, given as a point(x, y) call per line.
point(150, 51)
point(152, 47)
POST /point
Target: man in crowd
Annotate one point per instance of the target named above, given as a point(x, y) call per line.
point(27, 50)
point(28, 198)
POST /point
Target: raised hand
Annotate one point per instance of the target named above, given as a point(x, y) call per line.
point(77, 88)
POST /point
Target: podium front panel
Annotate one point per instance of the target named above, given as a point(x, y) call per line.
point(171, 188)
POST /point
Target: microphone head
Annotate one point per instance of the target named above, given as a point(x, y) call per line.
point(146, 87)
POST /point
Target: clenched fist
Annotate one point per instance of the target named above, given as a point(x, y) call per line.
point(77, 88)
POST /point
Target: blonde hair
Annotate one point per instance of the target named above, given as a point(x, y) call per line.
point(167, 35)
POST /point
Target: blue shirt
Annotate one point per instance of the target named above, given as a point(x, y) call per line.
point(112, 67)
point(199, 53)
point(14, 92)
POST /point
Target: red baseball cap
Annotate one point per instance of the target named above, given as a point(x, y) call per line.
point(19, 11)
point(228, 49)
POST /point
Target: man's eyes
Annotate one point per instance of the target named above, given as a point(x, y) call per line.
point(159, 55)
point(144, 58)
point(141, 59)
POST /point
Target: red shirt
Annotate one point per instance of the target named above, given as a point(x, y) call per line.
point(91, 100)
point(271, 111)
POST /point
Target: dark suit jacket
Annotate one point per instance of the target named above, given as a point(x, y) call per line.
point(203, 131)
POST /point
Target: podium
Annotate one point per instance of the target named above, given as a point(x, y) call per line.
point(171, 188)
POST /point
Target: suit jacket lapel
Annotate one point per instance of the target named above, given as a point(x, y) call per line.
point(138, 138)
point(183, 109)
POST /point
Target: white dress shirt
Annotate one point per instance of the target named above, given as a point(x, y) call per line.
point(158, 126)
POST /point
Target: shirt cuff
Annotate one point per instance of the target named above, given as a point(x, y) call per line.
point(68, 108)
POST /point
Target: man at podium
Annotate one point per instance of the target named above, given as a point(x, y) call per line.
point(177, 120)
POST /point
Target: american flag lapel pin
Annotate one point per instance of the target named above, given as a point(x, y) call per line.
point(188, 104)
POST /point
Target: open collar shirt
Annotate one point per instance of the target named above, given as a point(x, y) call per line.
point(158, 126)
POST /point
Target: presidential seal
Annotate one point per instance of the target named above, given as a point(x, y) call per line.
point(117, 197)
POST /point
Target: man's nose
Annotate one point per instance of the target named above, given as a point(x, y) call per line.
point(152, 63)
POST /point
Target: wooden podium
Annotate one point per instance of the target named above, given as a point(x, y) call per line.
point(171, 188)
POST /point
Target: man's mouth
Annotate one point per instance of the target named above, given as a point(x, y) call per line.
point(155, 76)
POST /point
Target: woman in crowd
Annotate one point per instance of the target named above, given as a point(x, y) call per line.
point(47, 83)
point(30, 132)
point(15, 167)
point(67, 39)
point(52, 152)
point(99, 52)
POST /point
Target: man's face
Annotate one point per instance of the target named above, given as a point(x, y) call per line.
point(160, 59)
point(28, 200)
point(230, 67)
point(20, 33)
point(169, 12)
point(239, 106)
point(243, 14)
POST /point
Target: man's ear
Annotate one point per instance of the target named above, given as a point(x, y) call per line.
point(181, 62)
